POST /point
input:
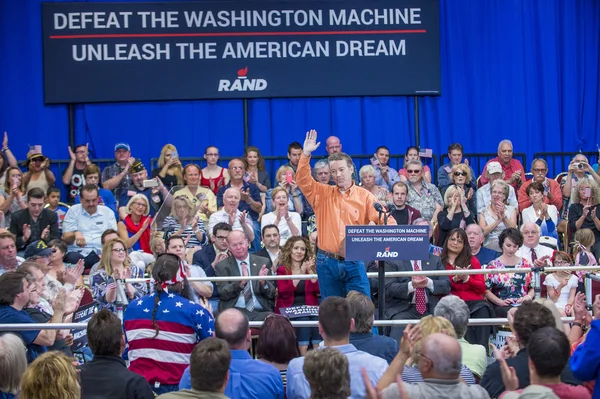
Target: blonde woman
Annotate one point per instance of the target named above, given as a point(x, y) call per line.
point(456, 213)
point(498, 216)
point(183, 222)
point(169, 170)
point(51, 376)
point(134, 229)
point(460, 176)
point(286, 178)
point(584, 212)
point(13, 196)
point(13, 363)
point(368, 176)
point(288, 223)
point(115, 265)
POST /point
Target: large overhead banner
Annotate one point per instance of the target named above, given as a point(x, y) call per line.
point(100, 52)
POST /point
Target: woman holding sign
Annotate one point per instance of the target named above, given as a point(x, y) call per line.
point(297, 258)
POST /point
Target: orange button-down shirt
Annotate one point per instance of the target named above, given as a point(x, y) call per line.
point(335, 210)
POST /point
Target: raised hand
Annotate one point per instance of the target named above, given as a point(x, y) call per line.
point(5, 140)
point(72, 155)
point(146, 224)
point(310, 143)
point(26, 232)
point(45, 233)
point(71, 275)
point(60, 301)
point(73, 300)
point(509, 375)
point(263, 272)
point(242, 217)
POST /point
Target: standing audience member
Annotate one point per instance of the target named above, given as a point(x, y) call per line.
point(456, 214)
point(293, 154)
point(297, 258)
point(169, 170)
point(494, 172)
point(412, 154)
point(116, 177)
point(106, 197)
point(202, 198)
point(497, 216)
point(213, 176)
point(550, 192)
point(163, 327)
point(107, 376)
point(384, 175)
point(334, 146)
point(513, 171)
point(13, 363)
point(51, 376)
point(422, 195)
point(34, 223)
point(361, 336)
point(38, 173)
point(209, 371)
point(255, 168)
point(248, 378)
point(475, 236)
point(403, 214)
point(335, 324)
point(327, 373)
point(135, 228)
point(271, 248)
point(9, 261)
point(12, 197)
point(288, 223)
point(73, 177)
point(232, 215)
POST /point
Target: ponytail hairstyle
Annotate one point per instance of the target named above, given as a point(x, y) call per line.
point(168, 276)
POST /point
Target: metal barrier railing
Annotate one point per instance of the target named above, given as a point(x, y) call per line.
point(477, 161)
point(558, 162)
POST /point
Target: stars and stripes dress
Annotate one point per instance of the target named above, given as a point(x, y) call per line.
point(182, 324)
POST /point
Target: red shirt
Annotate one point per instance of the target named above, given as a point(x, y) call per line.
point(473, 289)
point(513, 166)
point(286, 290)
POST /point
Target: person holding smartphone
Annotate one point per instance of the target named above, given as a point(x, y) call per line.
point(584, 212)
point(169, 170)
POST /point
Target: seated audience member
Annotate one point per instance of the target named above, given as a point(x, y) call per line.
point(213, 176)
point(9, 261)
point(107, 376)
point(254, 298)
point(256, 170)
point(148, 321)
point(183, 222)
point(156, 195)
point(494, 172)
point(456, 255)
point(413, 298)
point(106, 197)
point(508, 290)
point(361, 336)
point(455, 156)
point(335, 324)
point(583, 244)
point(367, 181)
point(209, 371)
point(456, 311)
point(562, 286)
point(248, 378)
point(288, 223)
point(109, 234)
point(12, 197)
point(169, 170)
point(271, 248)
point(584, 212)
point(584, 360)
point(513, 172)
point(34, 223)
point(116, 266)
point(277, 344)
point(540, 213)
point(439, 364)
point(293, 154)
point(412, 154)
point(38, 172)
point(116, 177)
point(135, 228)
point(321, 172)
point(200, 290)
point(50, 376)
point(551, 193)
point(549, 351)
point(53, 204)
point(456, 213)
point(209, 256)
point(535, 253)
point(327, 373)
point(13, 363)
point(230, 214)
point(384, 175)
point(475, 235)
point(15, 292)
point(203, 199)
point(84, 224)
point(529, 318)
point(333, 145)
point(462, 178)
point(579, 169)
point(422, 195)
point(403, 214)
point(61, 275)
point(497, 216)
point(73, 177)
point(39, 253)
point(297, 258)
point(286, 178)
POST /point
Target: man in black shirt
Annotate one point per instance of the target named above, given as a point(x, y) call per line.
point(73, 175)
point(404, 214)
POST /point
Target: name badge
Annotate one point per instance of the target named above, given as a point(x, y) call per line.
point(130, 193)
point(447, 169)
point(99, 223)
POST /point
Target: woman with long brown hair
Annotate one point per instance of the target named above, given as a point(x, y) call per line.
point(255, 169)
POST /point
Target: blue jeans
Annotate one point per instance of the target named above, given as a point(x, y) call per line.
point(337, 278)
point(256, 244)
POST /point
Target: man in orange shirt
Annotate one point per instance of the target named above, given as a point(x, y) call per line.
point(335, 208)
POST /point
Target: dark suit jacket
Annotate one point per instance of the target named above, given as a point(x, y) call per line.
point(229, 291)
point(397, 298)
point(22, 216)
point(263, 253)
point(205, 257)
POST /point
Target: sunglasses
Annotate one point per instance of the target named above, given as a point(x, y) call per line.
point(413, 171)
point(459, 174)
point(37, 160)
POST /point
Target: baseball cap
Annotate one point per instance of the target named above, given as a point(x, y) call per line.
point(122, 146)
point(37, 248)
point(137, 166)
point(494, 167)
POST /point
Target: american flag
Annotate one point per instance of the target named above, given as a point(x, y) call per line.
point(182, 324)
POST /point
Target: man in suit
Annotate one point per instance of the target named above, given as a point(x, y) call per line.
point(413, 297)
point(34, 223)
point(255, 298)
point(270, 240)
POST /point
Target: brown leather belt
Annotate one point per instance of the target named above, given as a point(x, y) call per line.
point(331, 255)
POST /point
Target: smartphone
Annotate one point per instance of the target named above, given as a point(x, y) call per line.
point(174, 155)
point(375, 162)
point(289, 176)
point(150, 183)
point(588, 192)
point(15, 180)
point(247, 177)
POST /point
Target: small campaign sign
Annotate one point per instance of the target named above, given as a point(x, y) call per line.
point(294, 312)
point(369, 243)
point(82, 315)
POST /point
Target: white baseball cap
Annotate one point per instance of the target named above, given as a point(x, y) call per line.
point(494, 167)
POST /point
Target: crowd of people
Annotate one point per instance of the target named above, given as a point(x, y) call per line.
point(134, 243)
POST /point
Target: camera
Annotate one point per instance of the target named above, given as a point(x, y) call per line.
point(579, 166)
point(150, 183)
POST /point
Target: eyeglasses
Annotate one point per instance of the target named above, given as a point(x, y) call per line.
point(538, 170)
point(221, 237)
point(236, 167)
point(140, 204)
point(36, 160)
point(212, 155)
point(413, 171)
point(118, 250)
point(459, 174)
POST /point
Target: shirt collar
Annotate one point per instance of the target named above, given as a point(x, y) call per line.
point(247, 260)
point(240, 354)
point(345, 349)
point(99, 211)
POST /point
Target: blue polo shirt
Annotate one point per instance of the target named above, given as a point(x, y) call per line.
point(254, 194)
point(132, 190)
point(10, 315)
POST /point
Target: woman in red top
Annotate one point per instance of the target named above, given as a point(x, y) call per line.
point(297, 258)
point(213, 176)
point(456, 255)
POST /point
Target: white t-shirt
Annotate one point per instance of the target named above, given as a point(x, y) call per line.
point(284, 229)
point(565, 291)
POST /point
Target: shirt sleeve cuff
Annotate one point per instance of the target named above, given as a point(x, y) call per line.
point(411, 289)
point(429, 284)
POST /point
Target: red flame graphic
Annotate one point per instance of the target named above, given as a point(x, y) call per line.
point(387, 249)
point(243, 72)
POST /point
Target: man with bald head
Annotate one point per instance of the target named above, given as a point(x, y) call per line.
point(232, 215)
point(476, 237)
point(514, 174)
point(254, 298)
point(248, 378)
point(535, 253)
point(333, 145)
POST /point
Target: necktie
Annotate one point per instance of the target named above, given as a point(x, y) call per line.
point(420, 301)
point(533, 255)
point(247, 291)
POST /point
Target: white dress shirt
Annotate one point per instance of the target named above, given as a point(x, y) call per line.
point(429, 286)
